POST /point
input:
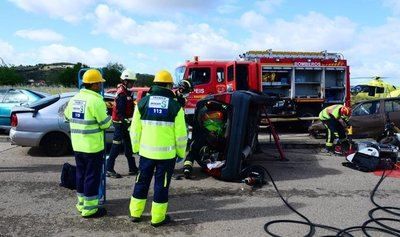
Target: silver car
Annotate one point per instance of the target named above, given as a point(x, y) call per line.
point(42, 124)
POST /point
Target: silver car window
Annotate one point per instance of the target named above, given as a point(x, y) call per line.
point(15, 96)
point(2, 95)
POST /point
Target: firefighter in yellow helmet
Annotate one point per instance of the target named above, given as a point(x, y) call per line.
point(87, 116)
point(330, 117)
point(158, 133)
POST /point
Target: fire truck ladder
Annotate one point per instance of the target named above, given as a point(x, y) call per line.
point(256, 55)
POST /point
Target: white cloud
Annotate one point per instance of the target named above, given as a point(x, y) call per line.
point(393, 5)
point(205, 42)
point(60, 53)
point(310, 32)
point(68, 10)
point(160, 7)
point(161, 34)
point(199, 39)
point(268, 6)
point(376, 51)
point(252, 20)
point(40, 35)
point(54, 53)
point(144, 57)
point(228, 6)
point(6, 52)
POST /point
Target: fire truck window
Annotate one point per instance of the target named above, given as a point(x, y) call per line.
point(199, 76)
point(242, 77)
point(220, 75)
point(230, 73)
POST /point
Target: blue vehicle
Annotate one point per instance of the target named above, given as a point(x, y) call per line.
point(11, 97)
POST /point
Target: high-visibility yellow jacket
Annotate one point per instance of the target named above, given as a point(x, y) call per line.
point(87, 115)
point(158, 129)
point(332, 112)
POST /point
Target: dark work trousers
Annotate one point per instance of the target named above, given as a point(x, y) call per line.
point(194, 151)
point(88, 172)
point(163, 173)
point(121, 135)
point(333, 126)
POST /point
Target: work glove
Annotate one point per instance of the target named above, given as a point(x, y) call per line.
point(127, 120)
point(179, 159)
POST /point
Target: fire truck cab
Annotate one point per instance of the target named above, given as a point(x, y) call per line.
point(216, 77)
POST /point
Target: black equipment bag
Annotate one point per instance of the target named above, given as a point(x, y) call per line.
point(68, 176)
point(366, 163)
point(374, 157)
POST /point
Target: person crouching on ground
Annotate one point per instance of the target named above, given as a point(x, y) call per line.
point(330, 117)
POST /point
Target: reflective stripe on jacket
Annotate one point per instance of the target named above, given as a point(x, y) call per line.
point(330, 112)
point(87, 115)
point(158, 129)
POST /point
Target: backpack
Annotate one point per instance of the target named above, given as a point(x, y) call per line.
point(68, 176)
point(374, 157)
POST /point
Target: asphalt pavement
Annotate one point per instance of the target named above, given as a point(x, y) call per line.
point(317, 185)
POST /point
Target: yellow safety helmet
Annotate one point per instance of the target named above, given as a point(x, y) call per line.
point(92, 76)
point(163, 76)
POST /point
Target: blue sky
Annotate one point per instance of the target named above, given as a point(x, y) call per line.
point(154, 34)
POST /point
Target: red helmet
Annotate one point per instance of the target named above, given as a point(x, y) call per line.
point(345, 111)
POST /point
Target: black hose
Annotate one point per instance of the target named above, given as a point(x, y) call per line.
point(395, 211)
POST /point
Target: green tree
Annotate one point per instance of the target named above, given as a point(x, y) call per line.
point(8, 76)
point(144, 80)
point(69, 76)
point(112, 73)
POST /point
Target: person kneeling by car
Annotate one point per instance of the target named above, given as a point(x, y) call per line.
point(330, 117)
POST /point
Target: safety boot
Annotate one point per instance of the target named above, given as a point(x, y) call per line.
point(165, 221)
point(133, 171)
point(113, 174)
point(327, 150)
point(100, 213)
point(187, 171)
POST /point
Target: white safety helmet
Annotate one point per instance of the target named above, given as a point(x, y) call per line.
point(128, 74)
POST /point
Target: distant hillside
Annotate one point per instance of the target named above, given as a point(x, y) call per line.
point(42, 72)
point(64, 74)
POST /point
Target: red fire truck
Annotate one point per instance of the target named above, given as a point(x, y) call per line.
point(302, 82)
